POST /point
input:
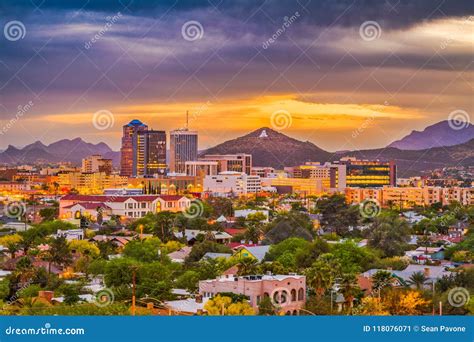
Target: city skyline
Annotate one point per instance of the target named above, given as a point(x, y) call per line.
point(326, 71)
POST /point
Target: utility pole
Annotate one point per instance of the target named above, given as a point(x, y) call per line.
point(134, 285)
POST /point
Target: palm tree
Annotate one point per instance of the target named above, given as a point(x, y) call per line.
point(381, 280)
point(349, 288)
point(319, 276)
point(418, 279)
point(247, 266)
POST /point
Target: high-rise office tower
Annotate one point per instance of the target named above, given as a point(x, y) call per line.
point(126, 151)
point(149, 153)
point(183, 148)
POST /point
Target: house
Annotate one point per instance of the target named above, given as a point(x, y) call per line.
point(71, 234)
point(432, 274)
point(255, 252)
point(421, 254)
point(130, 206)
point(210, 255)
point(287, 292)
point(180, 255)
point(413, 217)
point(186, 307)
point(246, 212)
point(191, 235)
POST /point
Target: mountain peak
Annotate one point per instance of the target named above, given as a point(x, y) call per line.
point(269, 147)
point(443, 133)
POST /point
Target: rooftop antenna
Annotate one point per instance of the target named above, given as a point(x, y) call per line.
point(187, 120)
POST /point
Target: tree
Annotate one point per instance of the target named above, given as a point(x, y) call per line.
point(118, 272)
point(389, 234)
point(58, 253)
point(188, 280)
point(399, 302)
point(201, 248)
point(418, 279)
point(266, 307)
point(381, 280)
point(220, 206)
point(85, 248)
point(223, 306)
point(337, 215)
point(49, 213)
point(146, 250)
point(320, 276)
point(247, 266)
point(292, 224)
point(371, 306)
point(163, 225)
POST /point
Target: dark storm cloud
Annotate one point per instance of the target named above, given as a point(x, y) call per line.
point(143, 56)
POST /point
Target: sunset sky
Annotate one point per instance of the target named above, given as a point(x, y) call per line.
point(323, 70)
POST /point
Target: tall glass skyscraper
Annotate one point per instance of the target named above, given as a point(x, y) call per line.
point(126, 151)
point(183, 148)
point(149, 157)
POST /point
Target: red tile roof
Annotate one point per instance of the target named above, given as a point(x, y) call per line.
point(89, 205)
point(104, 199)
point(234, 231)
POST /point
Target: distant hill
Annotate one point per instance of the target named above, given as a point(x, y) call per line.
point(411, 162)
point(62, 150)
point(439, 134)
point(271, 148)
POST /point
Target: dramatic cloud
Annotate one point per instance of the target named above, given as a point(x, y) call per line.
point(390, 66)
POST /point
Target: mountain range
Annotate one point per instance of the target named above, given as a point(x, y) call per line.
point(63, 150)
point(271, 148)
point(418, 151)
point(444, 133)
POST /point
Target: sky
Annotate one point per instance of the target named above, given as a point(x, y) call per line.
point(344, 75)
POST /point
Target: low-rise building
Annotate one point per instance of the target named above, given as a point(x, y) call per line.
point(287, 292)
point(229, 182)
point(126, 206)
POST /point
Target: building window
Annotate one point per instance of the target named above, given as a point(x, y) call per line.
point(293, 295)
point(258, 300)
point(301, 294)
